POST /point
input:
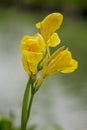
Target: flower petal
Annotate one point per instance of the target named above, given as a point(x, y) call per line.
point(29, 67)
point(33, 43)
point(54, 40)
point(50, 24)
point(60, 61)
point(32, 48)
point(38, 25)
point(33, 57)
point(71, 67)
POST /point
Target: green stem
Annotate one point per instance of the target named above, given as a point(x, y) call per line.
point(25, 106)
point(30, 104)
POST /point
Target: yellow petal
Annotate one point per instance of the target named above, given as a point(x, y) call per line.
point(33, 57)
point(25, 42)
point(41, 42)
point(50, 24)
point(33, 68)
point(45, 63)
point(32, 48)
point(60, 61)
point(33, 43)
point(29, 67)
point(71, 67)
point(64, 58)
point(38, 25)
point(56, 53)
point(54, 40)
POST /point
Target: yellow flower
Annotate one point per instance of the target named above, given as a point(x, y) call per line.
point(60, 61)
point(48, 27)
point(32, 48)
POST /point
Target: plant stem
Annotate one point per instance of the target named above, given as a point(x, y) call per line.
point(27, 103)
point(30, 104)
point(25, 106)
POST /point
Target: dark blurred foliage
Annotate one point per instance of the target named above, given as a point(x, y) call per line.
point(7, 124)
point(78, 6)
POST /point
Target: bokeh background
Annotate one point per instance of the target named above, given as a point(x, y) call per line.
point(62, 99)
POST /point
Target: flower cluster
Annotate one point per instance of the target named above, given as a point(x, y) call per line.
point(36, 50)
point(36, 57)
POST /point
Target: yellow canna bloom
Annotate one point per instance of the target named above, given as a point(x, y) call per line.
point(60, 61)
point(48, 27)
point(32, 48)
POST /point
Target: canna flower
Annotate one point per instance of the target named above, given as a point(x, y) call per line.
point(48, 26)
point(36, 57)
point(60, 61)
point(32, 48)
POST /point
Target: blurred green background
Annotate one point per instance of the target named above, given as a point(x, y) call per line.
point(61, 103)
